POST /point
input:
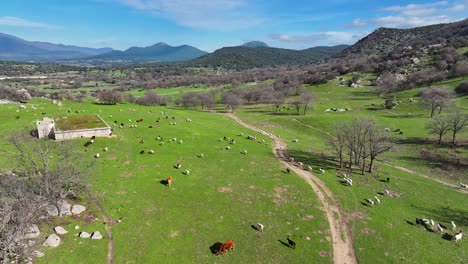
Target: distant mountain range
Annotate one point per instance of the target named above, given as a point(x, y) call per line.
point(17, 49)
point(244, 57)
point(160, 52)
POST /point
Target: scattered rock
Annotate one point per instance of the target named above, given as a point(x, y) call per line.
point(38, 253)
point(85, 234)
point(60, 230)
point(77, 209)
point(96, 235)
point(32, 232)
point(52, 241)
point(77, 227)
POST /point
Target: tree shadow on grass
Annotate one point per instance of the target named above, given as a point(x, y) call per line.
point(215, 247)
point(445, 215)
point(447, 236)
point(315, 160)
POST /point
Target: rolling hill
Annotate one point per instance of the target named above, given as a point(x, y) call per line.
point(16, 49)
point(254, 44)
point(160, 52)
point(242, 57)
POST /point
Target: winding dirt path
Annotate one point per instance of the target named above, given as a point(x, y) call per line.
point(110, 244)
point(343, 250)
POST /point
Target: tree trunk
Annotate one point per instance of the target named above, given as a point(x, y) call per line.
point(454, 134)
point(371, 164)
point(440, 139)
point(363, 166)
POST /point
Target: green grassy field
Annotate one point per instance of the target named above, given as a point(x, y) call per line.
point(226, 191)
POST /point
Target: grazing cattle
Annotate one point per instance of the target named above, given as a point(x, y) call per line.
point(142, 152)
point(291, 243)
point(225, 247)
point(260, 227)
point(453, 225)
point(169, 181)
point(458, 236)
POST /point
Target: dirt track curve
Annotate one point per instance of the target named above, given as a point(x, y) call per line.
point(343, 250)
point(110, 243)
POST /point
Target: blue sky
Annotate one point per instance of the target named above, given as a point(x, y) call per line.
point(210, 24)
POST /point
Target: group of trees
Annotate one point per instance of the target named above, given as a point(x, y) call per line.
point(46, 173)
point(452, 123)
point(358, 141)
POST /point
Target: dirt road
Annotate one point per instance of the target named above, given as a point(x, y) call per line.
point(343, 250)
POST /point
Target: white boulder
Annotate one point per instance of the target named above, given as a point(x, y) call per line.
point(38, 253)
point(32, 232)
point(85, 235)
point(52, 241)
point(60, 230)
point(96, 235)
point(77, 209)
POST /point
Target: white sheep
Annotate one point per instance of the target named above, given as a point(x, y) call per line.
point(370, 202)
point(291, 159)
point(387, 192)
point(432, 223)
point(151, 151)
point(244, 151)
point(322, 170)
point(178, 166)
point(300, 164)
point(453, 225)
point(162, 143)
point(180, 141)
point(440, 228)
point(97, 156)
point(186, 172)
point(201, 155)
point(377, 200)
point(233, 142)
point(106, 149)
point(309, 168)
point(241, 134)
point(295, 140)
point(458, 236)
point(464, 185)
point(227, 148)
point(92, 141)
point(260, 227)
point(189, 120)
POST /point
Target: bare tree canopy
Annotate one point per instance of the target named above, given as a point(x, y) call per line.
point(439, 126)
point(457, 122)
point(110, 97)
point(231, 100)
point(436, 97)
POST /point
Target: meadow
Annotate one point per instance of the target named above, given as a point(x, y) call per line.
point(227, 192)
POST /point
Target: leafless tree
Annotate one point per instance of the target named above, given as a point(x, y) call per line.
point(338, 141)
point(206, 100)
point(306, 98)
point(19, 209)
point(110, 97)
point(457, 122)
point(436, 97)
point(151, 98)
point(439, 126)
point(56, 169)
point(277, 99)
point(231, 100)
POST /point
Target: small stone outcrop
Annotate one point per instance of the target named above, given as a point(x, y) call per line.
point(32, 232)
point(52, 241)
point(96, 235)
point(60, 230)
point(85, 234)
point(77, 209)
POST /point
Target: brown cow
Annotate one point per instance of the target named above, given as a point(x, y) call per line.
point(225, 247)
point(139, 120)
point(169, 181)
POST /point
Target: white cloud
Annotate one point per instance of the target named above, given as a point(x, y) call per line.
point(319, 38)
point(416, 15)
point(20, 22)
point(218, 15)
point(357, 23)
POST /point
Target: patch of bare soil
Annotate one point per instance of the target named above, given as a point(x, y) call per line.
point(225, 190)
point(126, 174)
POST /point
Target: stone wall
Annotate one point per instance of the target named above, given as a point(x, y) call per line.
point(82, 133)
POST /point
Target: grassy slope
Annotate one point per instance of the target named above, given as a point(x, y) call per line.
point(381, 234)
point(178, 224)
